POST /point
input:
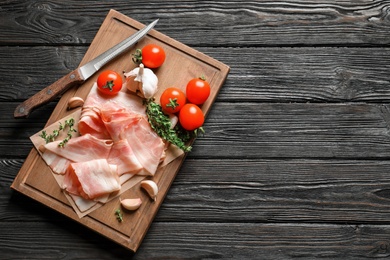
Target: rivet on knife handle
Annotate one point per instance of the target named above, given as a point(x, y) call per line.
point(48, 94)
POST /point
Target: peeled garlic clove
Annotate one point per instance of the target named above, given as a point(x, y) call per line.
point(75, 102)
point(131, 204)
point(173, 119)
point(151, 188)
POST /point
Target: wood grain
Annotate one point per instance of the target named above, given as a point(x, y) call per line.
point(309, 83)
point(263, 191)
point(259, 23)
point(180, 240)
point(257, 74)
point(276, 130)
point(35, 179)
point(48, 94)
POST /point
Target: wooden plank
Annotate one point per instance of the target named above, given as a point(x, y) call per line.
point(296, 204)
point(227, 23)
point(305, 74)
point(257, 74)
point(35, 179)
point(202, 241)
point(298, 190)
point(34, 68)
point(248, 191)
point(274, 130)
point(15, 134)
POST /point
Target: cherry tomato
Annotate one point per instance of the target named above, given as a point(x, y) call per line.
point(172, 100)
point(109, 82)
point(198, 90)
point(191, 117)
point(153, 56)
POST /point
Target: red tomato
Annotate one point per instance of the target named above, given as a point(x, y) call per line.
point(172, 100)
point(109, 82)
point(153, 56)
point(191, 117)
point(198, 90)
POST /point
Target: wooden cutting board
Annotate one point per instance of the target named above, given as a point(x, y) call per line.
point(182, 64)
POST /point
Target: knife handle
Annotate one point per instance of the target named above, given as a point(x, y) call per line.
point(48, 94)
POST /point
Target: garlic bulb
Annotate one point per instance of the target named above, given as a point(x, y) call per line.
point(146, 77)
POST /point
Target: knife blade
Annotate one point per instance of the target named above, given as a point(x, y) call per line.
point(79, 75)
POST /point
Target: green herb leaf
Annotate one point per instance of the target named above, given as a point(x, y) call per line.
point(50, 138)
point(119, 215)
point(161, 124)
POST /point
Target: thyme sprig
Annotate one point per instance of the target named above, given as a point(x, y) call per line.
point(69, 123)
point(119, 215)
point(161, 124)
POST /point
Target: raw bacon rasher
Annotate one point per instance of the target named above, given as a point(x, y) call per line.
point(115, 139)
point(92, 179)
point(122, 155)
point(80, 149)
point(147, 146)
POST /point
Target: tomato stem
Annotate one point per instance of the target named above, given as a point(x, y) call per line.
point(172, 103)
point(110, 84)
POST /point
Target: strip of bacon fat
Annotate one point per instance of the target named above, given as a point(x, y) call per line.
point(147, 146)
point(123, 156)
point(78, 149)
point(57, 163)
point(92, 179)
point(116, 118)
point(130, 101)
point(90, 121)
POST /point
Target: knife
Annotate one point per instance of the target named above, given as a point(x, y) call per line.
point(79, 75)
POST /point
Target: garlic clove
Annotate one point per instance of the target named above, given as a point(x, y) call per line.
point(149, 83)
point(131, 204)
point(132, 85)
point(173, 119)
point(75, 102)
point(151, 188)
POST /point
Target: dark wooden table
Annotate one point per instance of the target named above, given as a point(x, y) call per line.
point(295, 160)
